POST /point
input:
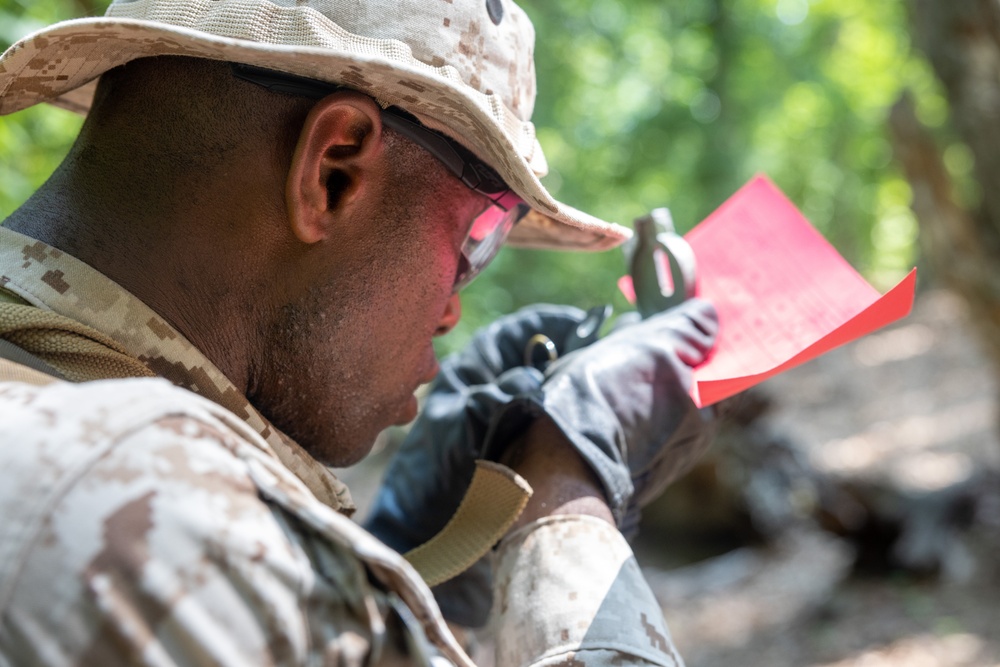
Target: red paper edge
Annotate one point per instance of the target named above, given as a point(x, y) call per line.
point(890, 307)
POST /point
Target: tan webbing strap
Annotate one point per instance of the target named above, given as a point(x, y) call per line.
point(79, 352)
point(13, 372)
point(21, 356)
point(495, 499)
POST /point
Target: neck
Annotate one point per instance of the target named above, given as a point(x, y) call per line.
point(163, 251)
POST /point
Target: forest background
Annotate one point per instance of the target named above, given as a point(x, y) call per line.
point(650, 104)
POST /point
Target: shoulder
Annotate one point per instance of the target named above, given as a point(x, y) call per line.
point(104, 442)
point(134, 523)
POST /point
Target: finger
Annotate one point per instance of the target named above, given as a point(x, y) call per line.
point(500, 346)
point(688, 352)
point(703, 315)
point(626, 320)
point(696, 323)
point(556, 322)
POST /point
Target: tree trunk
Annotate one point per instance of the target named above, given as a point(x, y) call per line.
point(961, 39)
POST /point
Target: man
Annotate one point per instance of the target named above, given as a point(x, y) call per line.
point(273, 206)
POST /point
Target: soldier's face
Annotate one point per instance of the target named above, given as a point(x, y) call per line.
point(351, 352)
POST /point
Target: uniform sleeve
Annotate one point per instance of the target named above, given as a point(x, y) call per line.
point(568, 591)
point(164, 553)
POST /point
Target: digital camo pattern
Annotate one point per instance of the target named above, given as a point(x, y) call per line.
point(49, 278)
point(446, 61)
point(143, 526)
point(594, 609)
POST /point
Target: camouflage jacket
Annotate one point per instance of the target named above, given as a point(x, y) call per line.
point(143, 523)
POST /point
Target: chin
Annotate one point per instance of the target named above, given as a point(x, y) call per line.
point(345, 459)
point(337, 448)
point(333, 436)
point(340, 452)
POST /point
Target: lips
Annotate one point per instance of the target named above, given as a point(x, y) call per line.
point(408, 412)
point(411, 406)
point(431, 373)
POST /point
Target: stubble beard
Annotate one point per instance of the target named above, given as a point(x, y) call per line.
point(308, 386)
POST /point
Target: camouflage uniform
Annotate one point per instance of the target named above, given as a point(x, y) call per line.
point(147, 524)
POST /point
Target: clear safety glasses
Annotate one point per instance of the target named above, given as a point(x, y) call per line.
point(490, 228)
point(488, 232)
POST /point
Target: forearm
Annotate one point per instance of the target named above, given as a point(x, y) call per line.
point(568, 588)
point(561, 482)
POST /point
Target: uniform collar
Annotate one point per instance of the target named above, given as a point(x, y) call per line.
point(48, 278)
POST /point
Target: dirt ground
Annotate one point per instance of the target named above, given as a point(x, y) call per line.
point(914, 404)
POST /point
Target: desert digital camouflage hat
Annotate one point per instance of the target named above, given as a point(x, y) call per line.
point(462, 67)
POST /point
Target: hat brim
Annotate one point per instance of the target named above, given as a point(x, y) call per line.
point(60, 65)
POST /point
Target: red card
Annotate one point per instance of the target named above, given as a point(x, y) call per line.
point(783, 293)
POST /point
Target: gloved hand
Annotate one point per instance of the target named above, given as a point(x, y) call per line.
point(623, 403)
point(429, 475)
point(640, 426)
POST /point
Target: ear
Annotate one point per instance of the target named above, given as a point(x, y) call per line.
point(334, 160)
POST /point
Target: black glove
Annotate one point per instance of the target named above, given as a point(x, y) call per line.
point(429, 475)
point(623, 403)
point(642, 415)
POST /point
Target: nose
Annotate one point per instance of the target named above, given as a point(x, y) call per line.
point(452, 313)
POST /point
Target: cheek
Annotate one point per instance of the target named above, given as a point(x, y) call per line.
point(430, 278)
point(406, 309)
point(440, 248)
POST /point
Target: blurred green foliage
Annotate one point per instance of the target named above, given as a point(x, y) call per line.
point(33, 141)
point(644, 104)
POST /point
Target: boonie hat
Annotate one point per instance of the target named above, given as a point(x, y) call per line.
point(462, 67)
